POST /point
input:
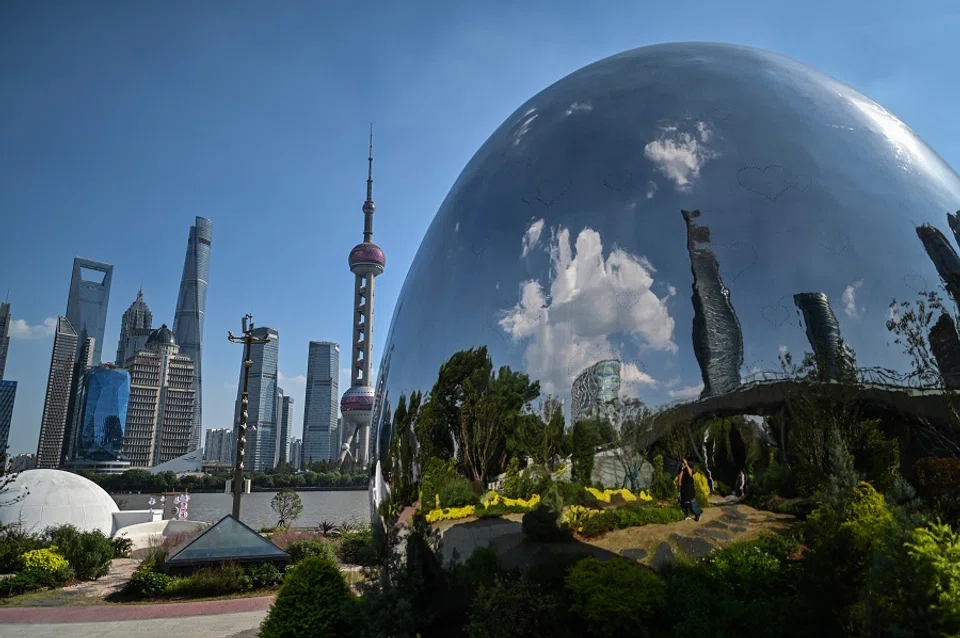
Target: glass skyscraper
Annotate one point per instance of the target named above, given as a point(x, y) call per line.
point(102, 418)
point(56, 404)
point(4, 335)
point(191, 304)
point(8, 394)
point(286, 418)
point(320, 432)
point(87, 302)
point(262, 413)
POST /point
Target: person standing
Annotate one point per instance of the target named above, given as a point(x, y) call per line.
point(741, 484)
point(688, 492)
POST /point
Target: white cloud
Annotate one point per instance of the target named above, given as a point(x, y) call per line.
point(680, 155)
point(589, 298)
point(531, 237)
point(578, 107)
point(850, 299)
point(20, 329)
point(344, 379)
point(688, 392)
point(291, 383)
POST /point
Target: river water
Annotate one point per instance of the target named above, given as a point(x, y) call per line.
point(255, 509)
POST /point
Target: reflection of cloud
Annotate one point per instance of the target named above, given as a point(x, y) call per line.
point(783, 350)
point(525, 126)
point(680, 156)
point(531, 237)
point(850, 299)
point(632, 377)
point(651, 189)
point(588, 299)
point(578, 107)
point(20, 329)
point(688, 392)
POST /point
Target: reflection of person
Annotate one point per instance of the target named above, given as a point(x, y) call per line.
point(741, 484)
point(688, 493)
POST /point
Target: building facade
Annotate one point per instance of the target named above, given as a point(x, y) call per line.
point(320, 431)
point(160, 413)
point(22, 463)
point(191, 306)
point(88, 301)
point(286, 419)
point(56, 403)
point(8, 395)
point(218, 445)
point(262, 414)
point(296, 447)
point(4, 335)
point(102, 415)
point(135, 327)
point(595, 390)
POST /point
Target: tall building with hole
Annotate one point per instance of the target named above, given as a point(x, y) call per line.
point(88, 301)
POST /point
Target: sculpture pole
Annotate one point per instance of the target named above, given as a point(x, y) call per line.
point(247, 340)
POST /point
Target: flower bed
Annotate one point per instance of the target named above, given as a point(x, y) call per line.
point(591, 523)
point(491, 504)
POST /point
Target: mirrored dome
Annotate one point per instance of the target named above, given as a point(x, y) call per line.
point(692, 212)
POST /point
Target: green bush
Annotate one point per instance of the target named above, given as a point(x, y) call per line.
point(146, 583)
point(515, 607)
point(89, 553)
point(263, 575)
point(311, 602)
point(617, 597)
point(542, 525)
point(938, 483)
point(535, 479)
point(458, 493)
point(14, 543)
point(32, 579)
point(299, 550)
point(511, 479)
point(630, 515)
point(436, 474)
point(121, 547)
point(356, 547)
point(212, 581)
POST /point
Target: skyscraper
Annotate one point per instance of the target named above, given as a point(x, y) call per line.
point(160, 415)
point(218, 446)
point(75, 408)
point(135, 327)
point(366, 262)
point(4, 335)
point(191, 304)
point(101, 414)
point(261, 450)
point(87, 304)
point(8, 394)
point(286, 418)
point(320, 437)
point(295, 449)
point(56, 404)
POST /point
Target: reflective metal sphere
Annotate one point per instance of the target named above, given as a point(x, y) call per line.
point(691, 210)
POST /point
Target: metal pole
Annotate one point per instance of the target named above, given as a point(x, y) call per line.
point(242, 429)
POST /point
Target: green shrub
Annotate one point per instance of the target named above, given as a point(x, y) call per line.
point(535, 479)
point(89, 553)
point(299, 550)
point(498, 509)
point(721, 488)
point(541, 524)
point(938, 484)
point(629, 515)
point(121, 547)
point(263, 575)
point(511, 479)
point(146, 583)
point(458, 493)
point(617, 597)
point(212, 581)
point(935, 553)
point(356, 547)
point(436, 474)
point(32, 579)
point(515, 607)
point(570, 492)
point(311, 602)
point(14, 543)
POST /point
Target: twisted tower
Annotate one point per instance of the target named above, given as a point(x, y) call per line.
point(366, 262)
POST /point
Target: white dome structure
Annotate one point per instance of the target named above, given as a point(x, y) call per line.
point(38, 499)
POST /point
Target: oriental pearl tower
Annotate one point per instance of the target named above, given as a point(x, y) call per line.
point(366, 262)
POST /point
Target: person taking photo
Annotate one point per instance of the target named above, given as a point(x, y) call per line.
point(688, 493)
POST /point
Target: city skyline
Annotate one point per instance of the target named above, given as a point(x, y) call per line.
point(282, 189)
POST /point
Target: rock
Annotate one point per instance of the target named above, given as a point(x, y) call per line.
point(635, 554)
point(692, 547)
point(738, 528)
point(715, 534)
point(663, 556)
point(716, 525)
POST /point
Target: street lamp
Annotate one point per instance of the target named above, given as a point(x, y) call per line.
point(247, 340)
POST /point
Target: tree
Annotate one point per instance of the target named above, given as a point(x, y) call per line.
point(286, 503)
point(635, 433)
point(584, 438)
point(541, 434)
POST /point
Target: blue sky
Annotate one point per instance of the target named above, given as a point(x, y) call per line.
point(120, 122)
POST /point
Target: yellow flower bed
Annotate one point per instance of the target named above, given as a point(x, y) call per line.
point(628, 496)
point(576, 515)
point(44, 560)
point(450, 513)
point(493, 498)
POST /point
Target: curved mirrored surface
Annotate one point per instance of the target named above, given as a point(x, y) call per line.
point(692, 211)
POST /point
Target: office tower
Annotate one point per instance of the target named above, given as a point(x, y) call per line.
point(717, 336)
point(262, 423)
point(4, 335)
point(833, 358)
point(135, 327)
point(945, 345)
point(366, 262)
point(280, 440)
point(595, 390)
point(101, 414)
point(296, 447)
point(320, 425)
point(218, 446)
point(56, 403)
point(75, 408)
point(286, 418)
point(8, 395)
point(944, 258)
point(88, 301)
point(191, 305)
point(160, 414)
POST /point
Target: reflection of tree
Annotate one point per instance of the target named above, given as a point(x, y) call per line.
point(6, 481)
point(540, 434)
point(634, 433)
point(398, 468)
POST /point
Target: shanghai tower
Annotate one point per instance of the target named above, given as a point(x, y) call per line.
point(366, 261)
point(191, 303)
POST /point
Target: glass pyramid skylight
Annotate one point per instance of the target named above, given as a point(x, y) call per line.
point(227, 540)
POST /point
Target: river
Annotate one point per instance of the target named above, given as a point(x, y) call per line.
point(255, 510)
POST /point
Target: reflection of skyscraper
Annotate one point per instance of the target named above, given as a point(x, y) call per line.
point(102, 414)
point(8, 394)
point(56, 404)
point(75, 409)
point(953, 220)
point(135, 326)
point(88, 301)
point(823, 334)
point(594, 390)
point(261, 450)
point(945, 345)
point(4, 335)
point(717, 337)
point(944, 258)
point(321, 440)
point(191, 305)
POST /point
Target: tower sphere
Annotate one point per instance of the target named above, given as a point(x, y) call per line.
point(562, 242)
point(367, 259)
point(357, 402)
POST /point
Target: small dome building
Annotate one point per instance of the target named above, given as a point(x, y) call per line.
point(38, 499)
